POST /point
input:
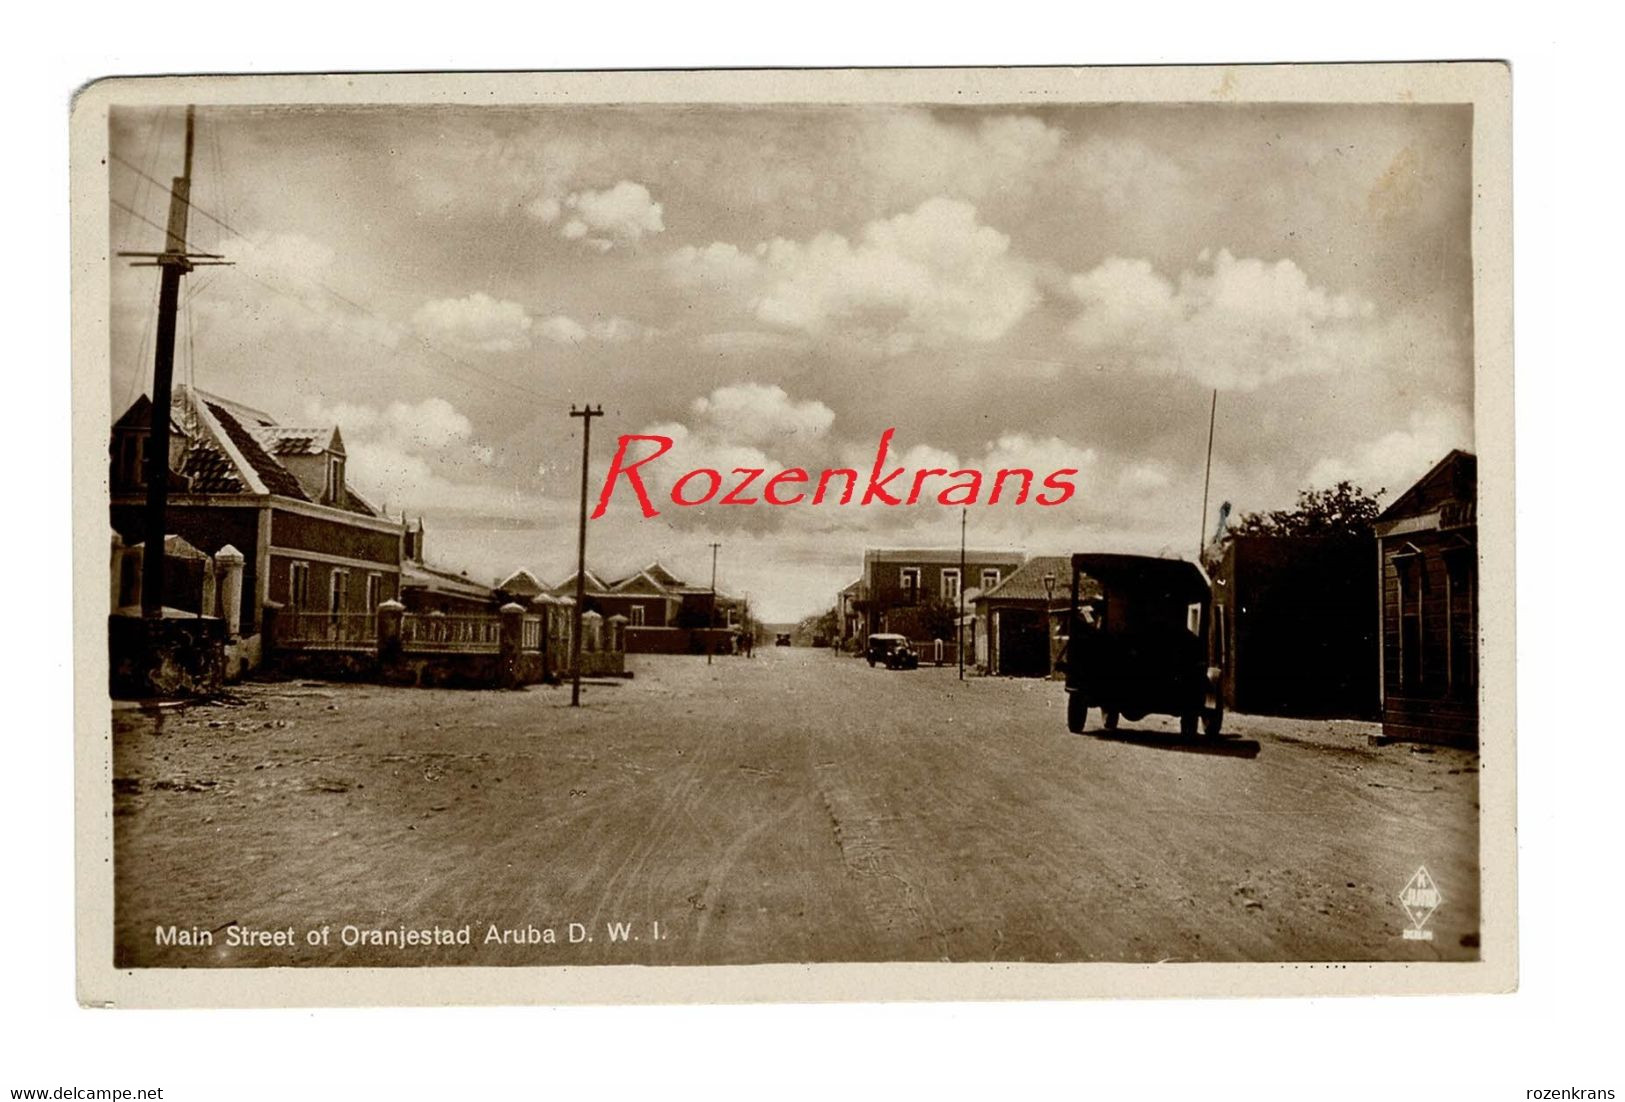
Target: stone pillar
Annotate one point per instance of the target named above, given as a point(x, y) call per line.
point(592, 631)
point(543, 606)
point(205, 604)
point(229, 567)
point(389, 633)
point(511, 648)
point(136, 556)
point(117, 568)
point(566, 621)
point(617, 632)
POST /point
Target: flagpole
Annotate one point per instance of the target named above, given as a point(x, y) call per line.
point(1207, 476)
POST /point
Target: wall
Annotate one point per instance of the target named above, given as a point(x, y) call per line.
point(164, 658)
point(320, 585)
point(1300, 634)
point(658, 611)
point(648, 640)
point(1443, 703)
point(358, 540)
point(208, 528)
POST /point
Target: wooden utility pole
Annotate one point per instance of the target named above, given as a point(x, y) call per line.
point(959, 624)
point(175, 261)
point(1207, 476)
point(586, 413)
point(711, 645)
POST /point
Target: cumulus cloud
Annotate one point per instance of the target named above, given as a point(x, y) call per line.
point(916, 154)
point(288, 292)
point(417, 455)
point(756, 412)
point(476, 322)
point(929, 276)
point(1235, 325)
point(1394, 460)
point(566, 330)
point(1126, 174)
point(618, 215)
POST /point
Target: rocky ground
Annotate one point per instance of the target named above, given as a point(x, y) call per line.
point(795, 806)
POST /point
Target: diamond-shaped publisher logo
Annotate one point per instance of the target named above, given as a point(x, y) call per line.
point(1420, 897)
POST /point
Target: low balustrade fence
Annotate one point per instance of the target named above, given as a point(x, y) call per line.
point(437, 648)
point(462, 634)
point(326, 630)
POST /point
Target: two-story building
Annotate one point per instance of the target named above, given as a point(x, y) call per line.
point(908, 590)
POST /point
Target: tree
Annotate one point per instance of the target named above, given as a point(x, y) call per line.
point(940, 618)
point(1343, 510)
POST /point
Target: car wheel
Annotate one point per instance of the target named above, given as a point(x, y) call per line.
point(1188, 724)
point(1212, 721)
point(1109, 719)
point(1077, 713)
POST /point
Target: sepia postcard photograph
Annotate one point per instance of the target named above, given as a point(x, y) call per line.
point(795, 535)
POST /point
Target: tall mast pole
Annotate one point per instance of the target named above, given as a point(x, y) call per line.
point(174, 263)
point(1207, 476)
point(586, 413)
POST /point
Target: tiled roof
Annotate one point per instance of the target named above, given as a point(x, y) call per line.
point(567, 587)
point(276, 477)
point(208, 471)
point(289, 440)
point(523, 583)
point(1027, 582)
point(641, 582)
point(660, 574)
point(439, 580)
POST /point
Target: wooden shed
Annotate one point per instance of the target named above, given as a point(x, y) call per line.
point(1427, 545)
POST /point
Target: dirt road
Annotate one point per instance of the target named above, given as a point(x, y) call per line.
point(794, 806)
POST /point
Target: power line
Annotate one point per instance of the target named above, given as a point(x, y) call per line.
point(162, 229)
point(424, 342)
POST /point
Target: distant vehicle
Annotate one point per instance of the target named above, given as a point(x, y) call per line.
point(1146, 645)
point(893, 650)
point(783, 639)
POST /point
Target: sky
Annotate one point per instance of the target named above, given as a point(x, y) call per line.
point(774, 286)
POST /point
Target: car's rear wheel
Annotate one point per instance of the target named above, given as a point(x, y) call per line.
point(1077, 713)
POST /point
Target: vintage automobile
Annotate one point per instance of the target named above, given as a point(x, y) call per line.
point(782, 639)
point(1146, 644)
point(893, 650)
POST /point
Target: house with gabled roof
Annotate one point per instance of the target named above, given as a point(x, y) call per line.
point(567, 588)
point(312, 545)
point(521, 586)
point(647, 598)
point(903, 589)
point(1427, 545)
point(1020, 619)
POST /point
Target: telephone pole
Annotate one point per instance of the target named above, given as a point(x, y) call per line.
point(711, 646)
point(959, 624)
point(1201, 536)
point(175, 261)
point(586, 413)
